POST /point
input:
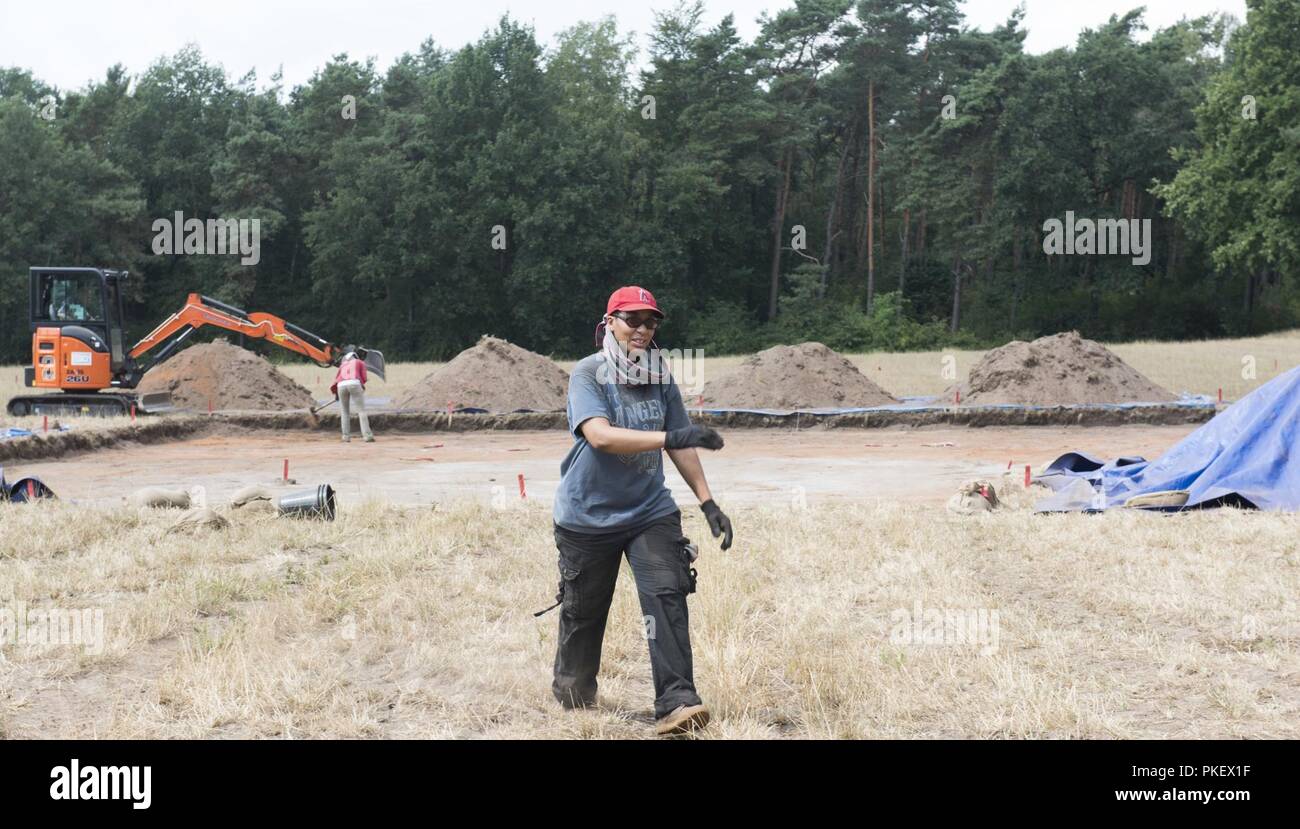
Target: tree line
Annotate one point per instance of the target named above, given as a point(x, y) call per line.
point(875, 174)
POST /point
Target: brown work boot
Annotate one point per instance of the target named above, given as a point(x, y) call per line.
point(682, 720)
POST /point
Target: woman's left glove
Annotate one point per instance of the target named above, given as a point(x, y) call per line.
point(719, 523)
point(690, 437)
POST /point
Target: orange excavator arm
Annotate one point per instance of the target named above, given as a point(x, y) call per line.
point(200, 311)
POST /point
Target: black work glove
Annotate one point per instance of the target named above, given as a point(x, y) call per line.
point(691, 436)
point(719, 523)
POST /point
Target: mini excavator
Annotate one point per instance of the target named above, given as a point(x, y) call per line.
point(77, 343)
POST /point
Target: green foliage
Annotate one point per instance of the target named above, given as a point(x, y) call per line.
point(726, 328)
point(1239, 192)
point(62, 202)
point(379, 228)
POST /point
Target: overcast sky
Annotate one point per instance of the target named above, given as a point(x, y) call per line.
point(67, 42)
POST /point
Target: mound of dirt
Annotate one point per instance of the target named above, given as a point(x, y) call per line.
point(804, 376)
point(493, 375)
point(226, 375)
point(1060, 369)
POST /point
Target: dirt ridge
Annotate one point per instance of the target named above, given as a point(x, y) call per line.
point(39, 447)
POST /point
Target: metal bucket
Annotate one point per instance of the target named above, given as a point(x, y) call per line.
point(310, 503)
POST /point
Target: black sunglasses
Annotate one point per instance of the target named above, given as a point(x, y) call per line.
point(650, 321)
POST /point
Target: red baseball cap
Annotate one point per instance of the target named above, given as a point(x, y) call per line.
point(633, 298)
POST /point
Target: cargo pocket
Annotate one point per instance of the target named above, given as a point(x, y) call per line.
point(566, 594)
point(687, 553)
point(569, 596)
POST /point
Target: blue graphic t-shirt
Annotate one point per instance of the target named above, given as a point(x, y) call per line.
point(601, 491)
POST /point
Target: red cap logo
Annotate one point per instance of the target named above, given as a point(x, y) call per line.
point(632, 298)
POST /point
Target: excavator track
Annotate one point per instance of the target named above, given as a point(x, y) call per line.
point(96, 405)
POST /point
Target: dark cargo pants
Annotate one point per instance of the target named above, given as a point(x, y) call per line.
point(589, 564)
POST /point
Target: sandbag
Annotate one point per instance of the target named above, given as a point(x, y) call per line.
point(197, 518)
point(973, 497)
point(1014, 495)
point(253, 493)
point(257, 507)
point(1169, 498)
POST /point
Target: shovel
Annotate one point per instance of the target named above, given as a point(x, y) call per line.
point(312, 419)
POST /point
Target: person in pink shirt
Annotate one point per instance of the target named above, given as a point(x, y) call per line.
point(350, 388)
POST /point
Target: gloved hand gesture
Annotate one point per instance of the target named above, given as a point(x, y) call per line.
point(692, 436)
point(719, 523)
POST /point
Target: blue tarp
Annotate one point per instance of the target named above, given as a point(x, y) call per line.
point(1242, 456)
point(16, 432)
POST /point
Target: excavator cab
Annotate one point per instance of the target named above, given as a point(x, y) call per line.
point(78, 344)
point(76, 322)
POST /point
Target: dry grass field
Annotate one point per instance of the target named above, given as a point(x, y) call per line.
point(830, 619)
point(418, 623)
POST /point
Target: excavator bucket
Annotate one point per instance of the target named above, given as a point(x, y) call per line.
point(375, 363)
point(156, 402)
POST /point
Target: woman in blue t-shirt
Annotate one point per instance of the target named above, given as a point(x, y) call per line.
point(624, 407)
